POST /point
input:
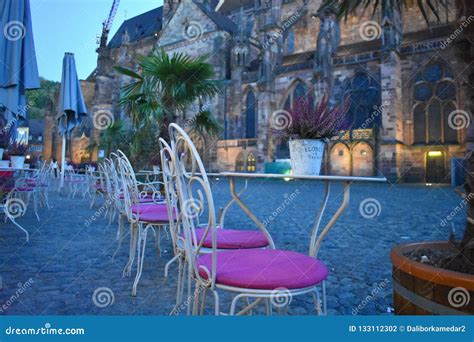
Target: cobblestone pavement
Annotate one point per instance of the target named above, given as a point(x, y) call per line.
point(67, 260)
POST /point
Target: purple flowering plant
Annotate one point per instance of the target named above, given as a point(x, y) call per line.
point(306, 121)
point(17, 149)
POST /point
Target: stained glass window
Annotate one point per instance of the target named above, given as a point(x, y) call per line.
point(434, 98)
point(364, 92)
point(250, 116)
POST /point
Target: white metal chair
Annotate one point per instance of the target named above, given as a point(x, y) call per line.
point(227, 239)
point(261, 275)
point(142, 217)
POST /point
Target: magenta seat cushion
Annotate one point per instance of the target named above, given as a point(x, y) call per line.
point(234, 239)
point(151, 212)
point(144, 199)
point(265, 269)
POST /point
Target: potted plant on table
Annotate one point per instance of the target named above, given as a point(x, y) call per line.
point(309, 127)
point(17, 152)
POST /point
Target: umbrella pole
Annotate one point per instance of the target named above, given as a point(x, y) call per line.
point(63, 161)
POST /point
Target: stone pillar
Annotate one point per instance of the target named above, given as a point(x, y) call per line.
point(266, 107)
point(391, 135)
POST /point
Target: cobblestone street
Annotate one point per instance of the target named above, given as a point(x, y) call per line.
point(66, 260)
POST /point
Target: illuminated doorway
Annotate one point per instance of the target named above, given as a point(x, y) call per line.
point(435, 172)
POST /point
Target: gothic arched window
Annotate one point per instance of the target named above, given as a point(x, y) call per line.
point(300, 90)
point(434, 98)
point(251, 116)
point(364, 92)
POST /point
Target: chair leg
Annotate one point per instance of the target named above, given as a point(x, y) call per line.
point(168, 264)
point(203, 302)
point(46, 198)
point(178, 289)
point(158, 240)
point(268, 307)
point(190, 285)
point(197, 291)
point(140, 257)
point(35, 204)
point(120, 237)
point(23, 229)
point(127, 271)
point(325, 309)
point(217, 308)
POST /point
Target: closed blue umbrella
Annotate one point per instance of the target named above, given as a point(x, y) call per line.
point(72, 107)
point(18, 68)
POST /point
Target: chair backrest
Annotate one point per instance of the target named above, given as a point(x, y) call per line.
point(131, 194)
point(194, 197)
point(171, 192)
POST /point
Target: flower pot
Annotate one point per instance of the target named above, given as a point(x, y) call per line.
point(306, 156)
point(420, 289)
point(17, 161)
point(4, 164)
point(1, 152)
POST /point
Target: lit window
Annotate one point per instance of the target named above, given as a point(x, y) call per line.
point(251, 163)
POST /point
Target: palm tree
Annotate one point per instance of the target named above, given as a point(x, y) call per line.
point(465, 51)
point(165, 87)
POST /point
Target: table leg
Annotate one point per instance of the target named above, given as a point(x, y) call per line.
point(319, 216)
point(249, 213)
point(314, 249)
point(223, 213)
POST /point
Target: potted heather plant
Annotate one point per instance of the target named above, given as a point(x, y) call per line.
point(17, 152)
point(309, 128)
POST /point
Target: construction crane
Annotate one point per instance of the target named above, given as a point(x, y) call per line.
point(107, 24)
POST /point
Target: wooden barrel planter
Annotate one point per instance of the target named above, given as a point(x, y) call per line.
point(420, 289)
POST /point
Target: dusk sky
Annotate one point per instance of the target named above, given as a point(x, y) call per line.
point(73, 26)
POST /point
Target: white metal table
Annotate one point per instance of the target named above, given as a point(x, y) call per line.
point(315, 238)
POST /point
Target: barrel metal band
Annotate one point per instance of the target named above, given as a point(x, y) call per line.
point(424, 303)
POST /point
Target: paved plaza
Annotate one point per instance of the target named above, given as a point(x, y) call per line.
point(69, 256)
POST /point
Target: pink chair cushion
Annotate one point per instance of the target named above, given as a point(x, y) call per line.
point(234, 239)
point(151, 212)
point(145, 199)
point(264, 269)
